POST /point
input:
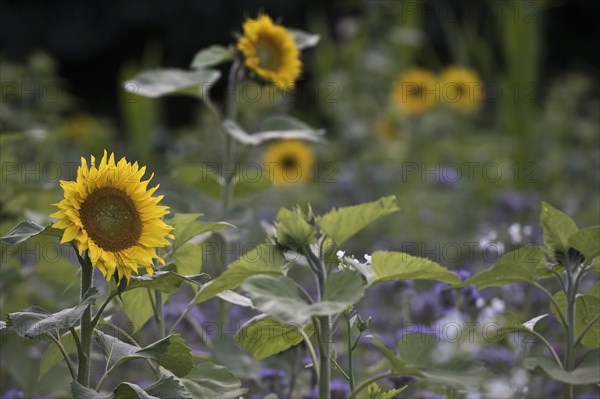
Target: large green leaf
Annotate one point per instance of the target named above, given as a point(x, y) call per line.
point(212, 55)
point(188, 259)
point(293, 231)
point(415, 357)
point(521, 265)
point(165, 281)
point(390, 266)
point(26, 230)
point(170, 352)
point(586, 241)
point(278, 296)
point(558, 227)
point(161, 82)
point(187, 226)
point(341, 224)
point(263, 259)
point(210, 381)
point(34, 321)
point(138, 308)
point(587, 306)
point(165, 388)
point(588, 372)
point(263, 336)
point(250, 181)
point(201, 177)
point(239, 134)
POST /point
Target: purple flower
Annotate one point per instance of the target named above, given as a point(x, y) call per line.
point(13, 394)
point(339, 389)
point(268, 373)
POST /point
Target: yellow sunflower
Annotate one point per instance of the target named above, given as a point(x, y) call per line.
point(416, 91)
point(110, 212)
point(461, 88)
point(270, 51)
point(289, 162)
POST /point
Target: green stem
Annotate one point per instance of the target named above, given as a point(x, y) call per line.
point(64, 353)
point(96, 318)
point(77, 342)
point(571, 292)
point(83, 372)
point(228, 144)
point(311, 350)
point(158, 315)
point(325, 362)
point(350, 349)
point(559, 312)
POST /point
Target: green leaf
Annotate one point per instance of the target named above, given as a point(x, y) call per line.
point(303, 39)
point(165, 281)
point(558, 227)
point(188, 259)
point(209, 381)
point(201, 177)
point(293, 231)
point(170, 352)
point(212, 55)
point(587, 306)
point(283, 122)
point(235, 298)
point(34, 321)
point(187, 227)
point(263, 336)
point(390, 266)
point(165, 388)
point(588, 372)
point(375, 392)
point(138, 308)
point(341, 224)
point(521, 265)
point(26, 230)
point(52, 355)
point(278, 296)
point(161, 82)
point(586, 241)
point(415, 352)
point(249, 182)
point(263, 259)
point(80, 392)
point(239, 134)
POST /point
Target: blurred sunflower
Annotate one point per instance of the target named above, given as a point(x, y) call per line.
point(111, 213)
point(461, 88)
point(289, 161)
point(270, 51)
point(415, 91)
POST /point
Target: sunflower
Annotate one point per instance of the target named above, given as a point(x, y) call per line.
point(461, 88)
point(415, 91)
point(110, 212)
point(289, 161)
point(270, 51)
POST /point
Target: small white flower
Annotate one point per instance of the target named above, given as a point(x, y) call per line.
point(340, 254)
point(368, 258)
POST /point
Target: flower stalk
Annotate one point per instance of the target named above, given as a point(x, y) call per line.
point(83, 372)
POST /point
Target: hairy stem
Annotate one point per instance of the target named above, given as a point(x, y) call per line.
point(83, 372)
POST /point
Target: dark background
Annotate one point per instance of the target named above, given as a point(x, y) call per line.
point(91, 40)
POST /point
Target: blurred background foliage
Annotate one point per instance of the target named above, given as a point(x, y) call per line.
point(460, 177)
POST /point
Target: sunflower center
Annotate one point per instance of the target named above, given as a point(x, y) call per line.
point(111, 219)
point(288, 161)
point(268, 53)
